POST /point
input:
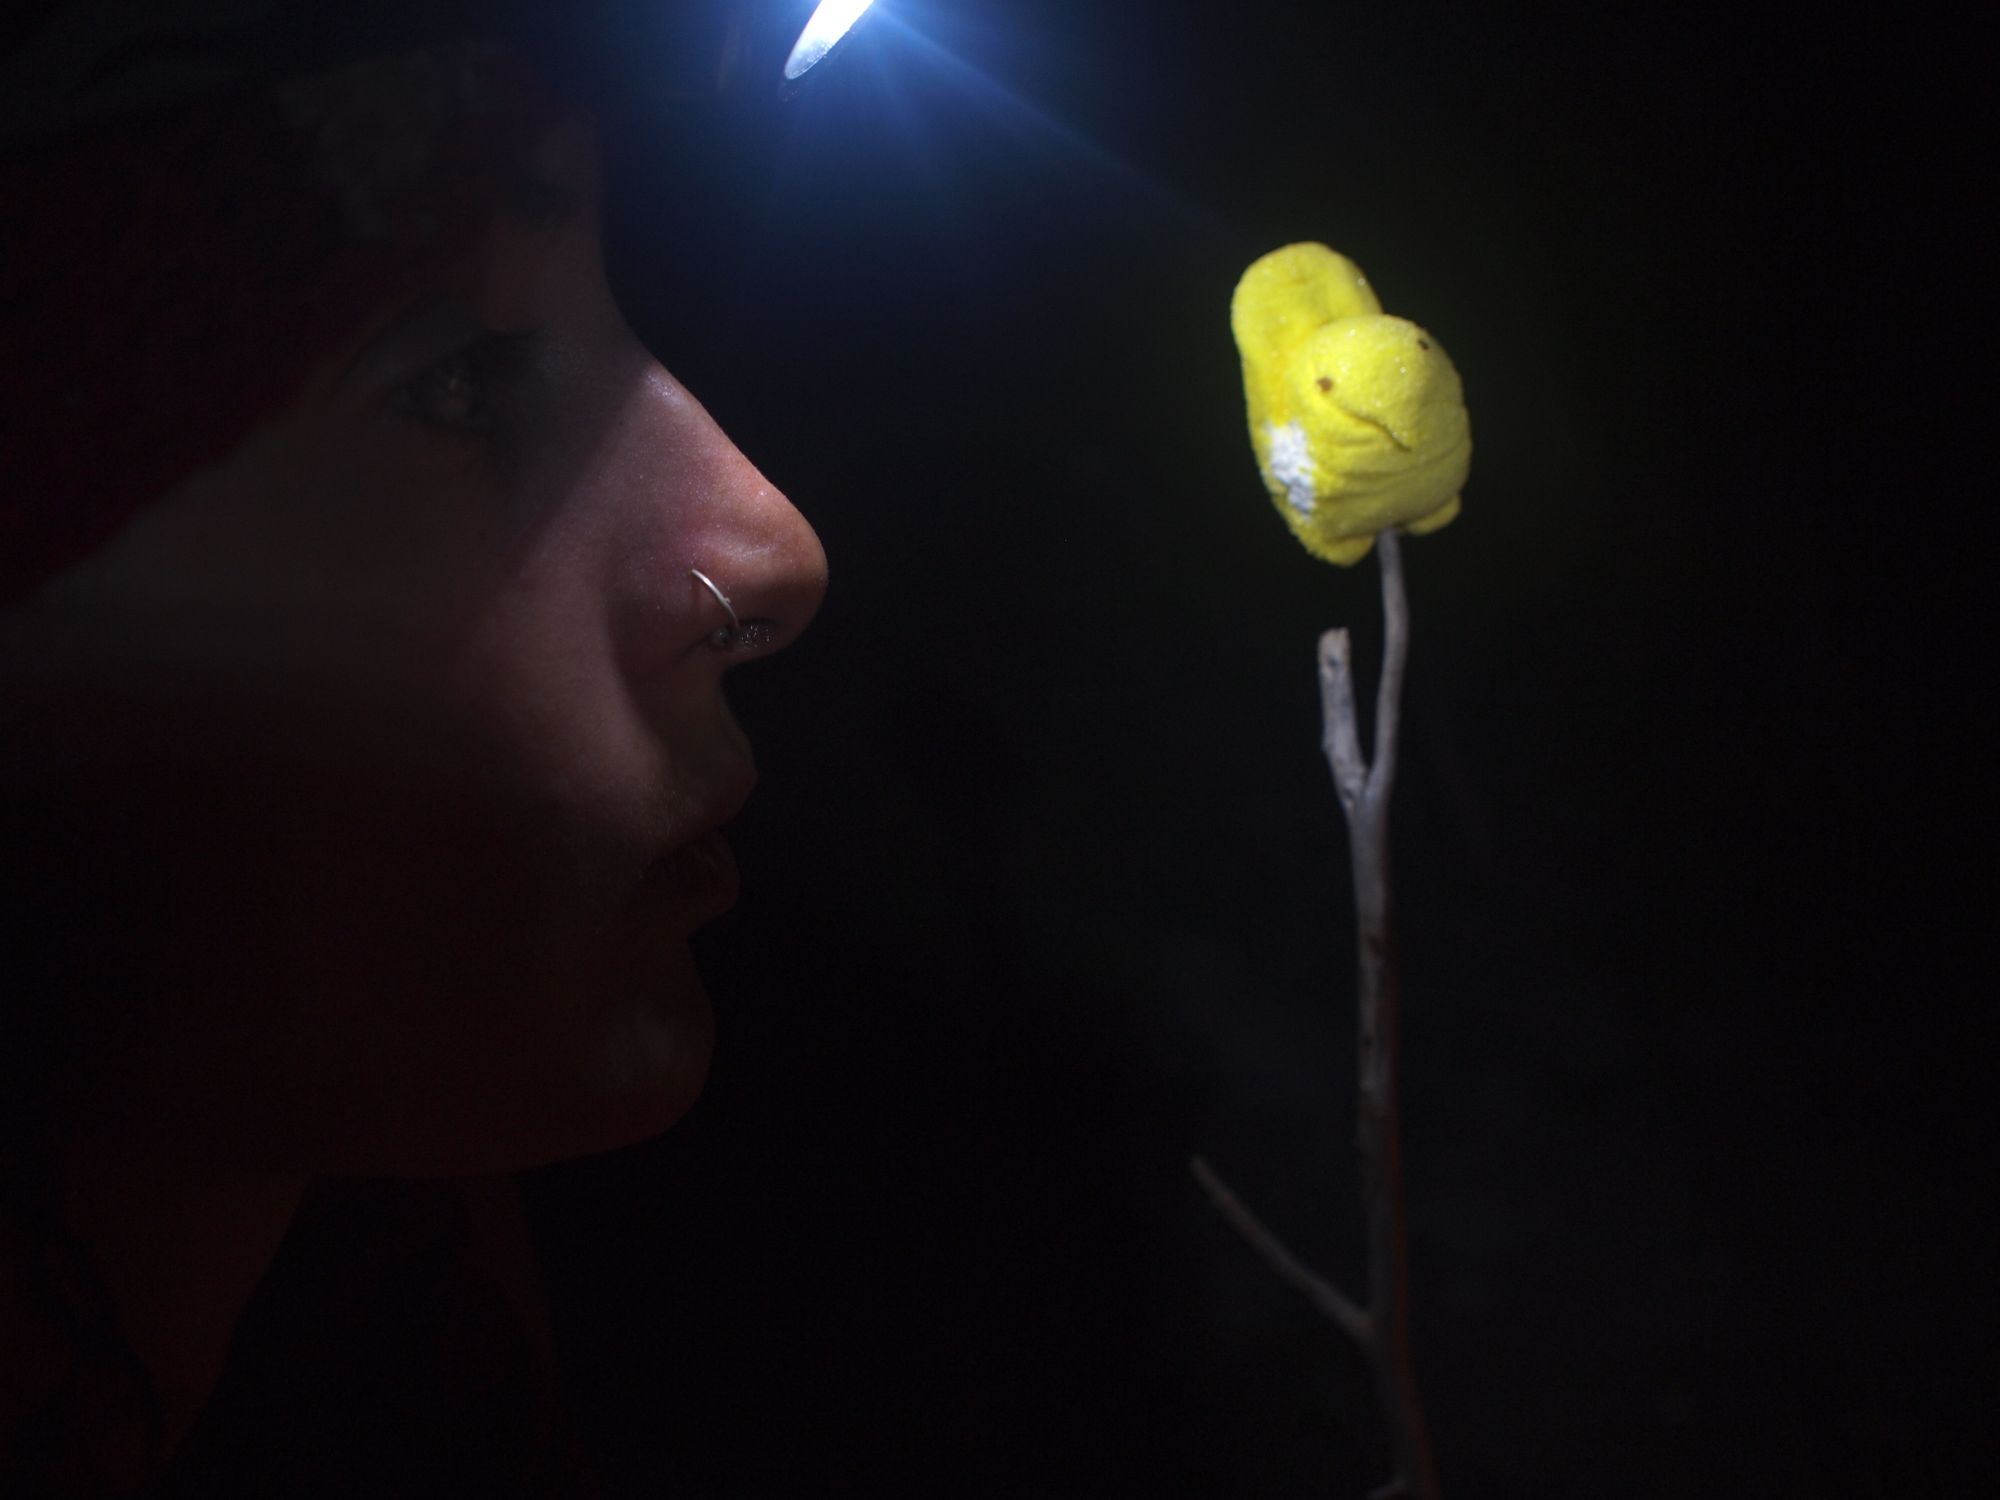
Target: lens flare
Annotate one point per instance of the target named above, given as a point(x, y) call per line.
point(829, 23)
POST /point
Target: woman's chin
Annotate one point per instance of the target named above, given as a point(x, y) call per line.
point(633, 1080)
point(654, 1066)
point(530, 1056)
point(628, 1076)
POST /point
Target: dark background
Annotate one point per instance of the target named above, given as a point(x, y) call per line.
point(1045, 886)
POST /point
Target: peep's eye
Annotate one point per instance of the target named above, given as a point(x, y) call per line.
point(459, 392)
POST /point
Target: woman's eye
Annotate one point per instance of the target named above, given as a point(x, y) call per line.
point(446, 394)
point(457, 392)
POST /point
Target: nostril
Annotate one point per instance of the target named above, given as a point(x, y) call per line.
point(739, 635)
point(735, 626)
point(750, 635)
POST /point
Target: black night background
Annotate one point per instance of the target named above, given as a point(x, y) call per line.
point(1045, 882)
point(1046, 885)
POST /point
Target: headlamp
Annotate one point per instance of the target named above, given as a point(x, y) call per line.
point(828, 27)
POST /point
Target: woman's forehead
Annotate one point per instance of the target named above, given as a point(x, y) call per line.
point(402, 141)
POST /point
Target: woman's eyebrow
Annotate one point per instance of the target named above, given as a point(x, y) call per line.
point(433, 319)
point(533, 203)
point(540, 205)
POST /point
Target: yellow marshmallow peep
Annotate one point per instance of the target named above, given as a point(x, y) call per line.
point(1358, 419)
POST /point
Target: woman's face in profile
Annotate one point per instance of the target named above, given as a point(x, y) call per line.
point(383, 756)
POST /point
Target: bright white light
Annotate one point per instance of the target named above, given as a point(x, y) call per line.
point(828, 25)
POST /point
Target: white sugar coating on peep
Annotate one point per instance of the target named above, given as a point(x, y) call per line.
point(1292, 464)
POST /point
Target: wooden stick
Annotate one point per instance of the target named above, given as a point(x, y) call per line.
point(1378, 1133)
point(1382, 1329)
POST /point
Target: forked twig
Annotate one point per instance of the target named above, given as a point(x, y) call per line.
point(1382, 1329)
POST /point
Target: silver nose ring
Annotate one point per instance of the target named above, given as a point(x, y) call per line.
point(729, 634)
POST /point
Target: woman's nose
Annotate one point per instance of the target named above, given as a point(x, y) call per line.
point(734, 570)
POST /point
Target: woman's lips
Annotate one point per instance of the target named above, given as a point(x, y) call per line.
point(699, 878)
